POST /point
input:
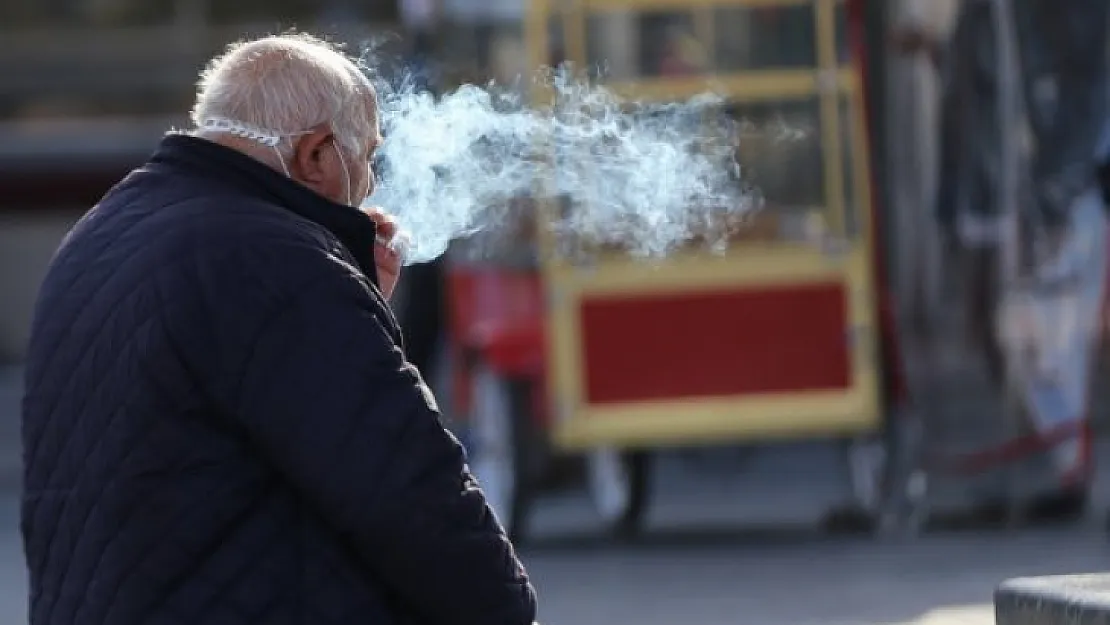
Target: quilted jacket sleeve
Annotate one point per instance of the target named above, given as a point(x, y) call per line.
point(327, 395)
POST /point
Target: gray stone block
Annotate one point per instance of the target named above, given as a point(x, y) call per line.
point(1058, 600)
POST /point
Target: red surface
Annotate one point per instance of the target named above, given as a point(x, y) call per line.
point(496, 317)
point(715, 343)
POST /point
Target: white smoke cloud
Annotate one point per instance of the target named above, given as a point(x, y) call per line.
point(645, 177)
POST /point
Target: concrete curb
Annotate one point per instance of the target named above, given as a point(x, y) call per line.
point(1057, 600)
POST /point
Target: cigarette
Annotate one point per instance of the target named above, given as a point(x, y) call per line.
point(400, 244)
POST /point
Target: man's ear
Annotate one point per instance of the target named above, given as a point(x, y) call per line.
point(308, 153)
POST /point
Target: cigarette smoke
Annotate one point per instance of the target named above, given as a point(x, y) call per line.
point(645, 177)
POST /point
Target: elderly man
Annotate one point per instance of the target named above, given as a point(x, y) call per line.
point(220, 426)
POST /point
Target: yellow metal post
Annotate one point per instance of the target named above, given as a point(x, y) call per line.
point(829, 94)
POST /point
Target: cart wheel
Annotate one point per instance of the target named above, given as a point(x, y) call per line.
point(618, 486)
point(503, 434)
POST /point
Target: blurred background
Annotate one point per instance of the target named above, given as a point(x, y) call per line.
point(882, 401)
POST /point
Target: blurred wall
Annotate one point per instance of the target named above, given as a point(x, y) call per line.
point(86, 89)
point(27, 242)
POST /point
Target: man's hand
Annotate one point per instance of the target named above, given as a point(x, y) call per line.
point(387, 260)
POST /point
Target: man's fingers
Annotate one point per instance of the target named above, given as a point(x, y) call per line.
point(386, 243)
point(387, 224)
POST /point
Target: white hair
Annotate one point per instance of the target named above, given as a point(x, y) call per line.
point(285, 85)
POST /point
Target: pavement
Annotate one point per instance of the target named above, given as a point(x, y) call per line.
point(694, 568)
point(804, 580)
point(726, 546)
point(731, 537)
point(13, 581)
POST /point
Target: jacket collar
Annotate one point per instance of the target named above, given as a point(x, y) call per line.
point(354, 229)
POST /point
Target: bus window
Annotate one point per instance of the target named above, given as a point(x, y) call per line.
point(843, 47)
point(556, 52)
point(780, 152)
point(669, 47)
point(665, 45)
point(764, 37)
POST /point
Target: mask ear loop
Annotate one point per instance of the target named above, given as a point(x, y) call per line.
point(281, 161)
point(264, 136)
point(346, 173)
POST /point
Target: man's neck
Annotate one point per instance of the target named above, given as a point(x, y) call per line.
point(265, 155)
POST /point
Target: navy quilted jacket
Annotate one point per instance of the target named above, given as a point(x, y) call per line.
point(220, 427)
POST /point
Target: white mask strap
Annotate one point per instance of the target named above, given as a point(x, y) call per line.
point(281, 160)
point(265, 136)
point(346, 174)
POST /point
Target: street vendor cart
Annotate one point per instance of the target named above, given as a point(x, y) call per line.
point(781, 337)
